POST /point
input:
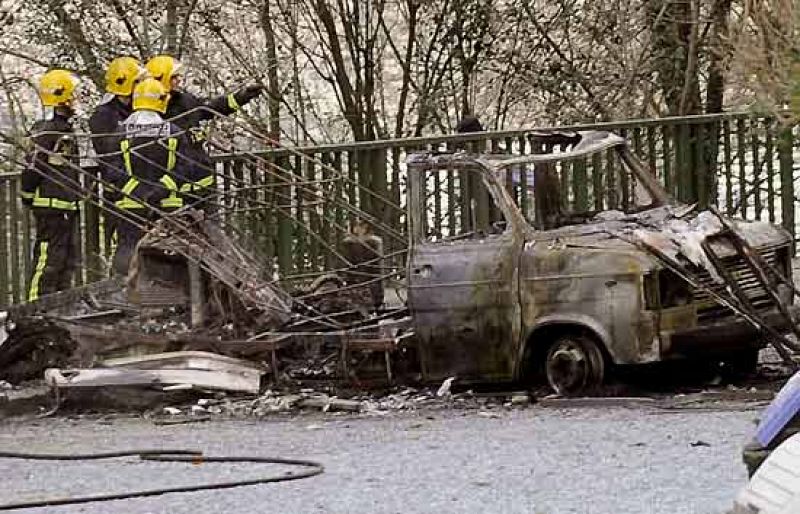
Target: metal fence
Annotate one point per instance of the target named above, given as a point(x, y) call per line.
point(742, 162)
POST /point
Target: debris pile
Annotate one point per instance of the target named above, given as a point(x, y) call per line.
point(323, 367)
point(193, 289)
point(232, 286)
point(273, 402)
point(197, 315)
point(30, 346)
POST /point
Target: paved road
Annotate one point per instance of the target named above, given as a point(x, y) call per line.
point(534, 460)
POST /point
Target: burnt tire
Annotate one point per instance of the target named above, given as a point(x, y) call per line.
point(574, 365)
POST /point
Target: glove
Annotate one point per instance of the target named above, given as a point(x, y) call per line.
point(248, 93)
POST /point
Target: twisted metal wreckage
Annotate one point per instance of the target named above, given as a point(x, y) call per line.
point(498, 293)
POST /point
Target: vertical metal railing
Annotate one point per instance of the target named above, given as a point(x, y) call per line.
point(288, 207)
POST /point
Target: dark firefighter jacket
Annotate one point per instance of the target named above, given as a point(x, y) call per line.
point(51, 178)
point(191, 113)
point(105, 126)
point(150, 167)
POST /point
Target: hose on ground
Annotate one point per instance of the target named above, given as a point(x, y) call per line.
point(187, 456)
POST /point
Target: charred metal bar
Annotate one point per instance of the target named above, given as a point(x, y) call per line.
point(196, 294)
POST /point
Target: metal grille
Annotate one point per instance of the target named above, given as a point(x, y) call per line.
point(708, 309)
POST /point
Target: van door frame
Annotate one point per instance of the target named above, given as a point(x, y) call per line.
point(454, 301)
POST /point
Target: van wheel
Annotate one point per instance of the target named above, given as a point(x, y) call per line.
point(574, 365)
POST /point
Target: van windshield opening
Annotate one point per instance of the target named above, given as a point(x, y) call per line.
point(557, 192)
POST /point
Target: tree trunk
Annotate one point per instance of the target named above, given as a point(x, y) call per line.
point(273, 85)
point(341, 73)
point(675, 47)
point(546, 192)
point(413, 8)
point(715, 90)
point(171, 28)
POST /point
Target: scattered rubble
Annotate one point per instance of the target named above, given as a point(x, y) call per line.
point(177, 405)
point(32, 345)
point(273, 402)
point(25, 400)
point(444, 389)
point(520, 399)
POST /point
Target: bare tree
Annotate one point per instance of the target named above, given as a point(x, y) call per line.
point(766, 57)
point(364, 69)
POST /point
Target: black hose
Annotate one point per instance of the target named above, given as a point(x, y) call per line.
point(94, 456)
point(189, 456)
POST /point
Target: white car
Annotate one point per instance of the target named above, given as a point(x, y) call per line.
point(775, 487)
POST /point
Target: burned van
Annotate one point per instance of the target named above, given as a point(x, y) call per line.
point(572, 260)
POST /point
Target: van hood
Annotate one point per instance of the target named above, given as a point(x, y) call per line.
point(676, 230)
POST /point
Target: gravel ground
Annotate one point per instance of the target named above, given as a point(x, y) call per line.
point(533, 460)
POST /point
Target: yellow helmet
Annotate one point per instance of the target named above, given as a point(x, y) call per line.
point(163, 68)
point(122, 74)
point(57, 88)
point(150, 95)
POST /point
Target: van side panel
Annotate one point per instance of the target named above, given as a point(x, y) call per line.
point(595, 288)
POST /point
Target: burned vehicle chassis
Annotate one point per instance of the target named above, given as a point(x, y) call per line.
point(571, 300)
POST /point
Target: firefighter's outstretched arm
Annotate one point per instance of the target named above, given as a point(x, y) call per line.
point(232, 102)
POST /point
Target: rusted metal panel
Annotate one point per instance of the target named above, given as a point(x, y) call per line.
point(596, 289)
point(464, 298)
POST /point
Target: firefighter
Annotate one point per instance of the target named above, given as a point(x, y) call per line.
point(121, 76)
point(192, 114)
point(150, 167)
point(51, 187)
